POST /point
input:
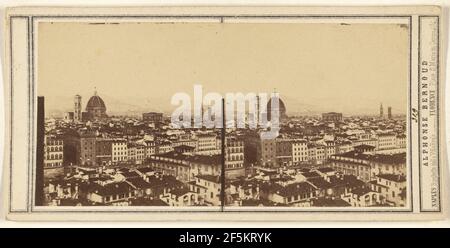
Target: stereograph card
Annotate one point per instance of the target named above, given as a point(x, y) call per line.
point(224, 114)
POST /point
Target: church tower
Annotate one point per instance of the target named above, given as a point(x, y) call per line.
point(381, 111)
point(77, 108)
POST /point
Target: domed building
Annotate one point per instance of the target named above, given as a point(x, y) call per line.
point(96, 108)
point(281, 109)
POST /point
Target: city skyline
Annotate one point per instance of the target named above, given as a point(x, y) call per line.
point(138, 110)
point(143, 61)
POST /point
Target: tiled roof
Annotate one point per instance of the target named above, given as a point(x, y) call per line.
point(111, 188)
point(289, 190)
point(180, 191)
point(364, 146)
point(320, 183)
point(145, 169)
point(210, 178)
point(201, 159)
point(139, 183)
point(325, 169)
point(131, 174)
point(310, 174)
point(397, 158)
point(361, 191)
point(393, 177)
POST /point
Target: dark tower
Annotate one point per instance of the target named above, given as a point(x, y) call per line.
point(39, 192)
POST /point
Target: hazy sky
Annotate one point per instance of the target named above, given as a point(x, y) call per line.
point(139, 66)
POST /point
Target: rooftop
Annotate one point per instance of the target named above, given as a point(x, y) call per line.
point(139, 183)
point(184, 147)
point(111, 189)
point(179, 191)
point(145, 170)
point(289, 190)
point(393, 177)
point(210, 178)
point(398, 158)
point(361, 191)
point(347, 180)
point(131, 174)
point(320, 183)
point(310, 174)
point(386, 134)
point(201, 159)
point(164, 181)
point(364, 146)
point(325, 169)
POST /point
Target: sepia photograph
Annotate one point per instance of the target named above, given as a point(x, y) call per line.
point(109, 93)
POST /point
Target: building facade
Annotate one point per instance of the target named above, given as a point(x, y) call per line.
point(207, 144)
point(234, 158)
point(87, 149)
point(387, 141)
point(53, 151)
point(299, 151)
point(103, 151)
point(268, 152)
point(119, 151)
point(283, 152)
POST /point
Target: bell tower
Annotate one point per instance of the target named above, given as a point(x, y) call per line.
point(381, 111)
point(77, 108)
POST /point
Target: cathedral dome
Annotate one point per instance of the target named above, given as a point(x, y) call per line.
point(95, 102)
point(96, 108)
point(281, 108)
